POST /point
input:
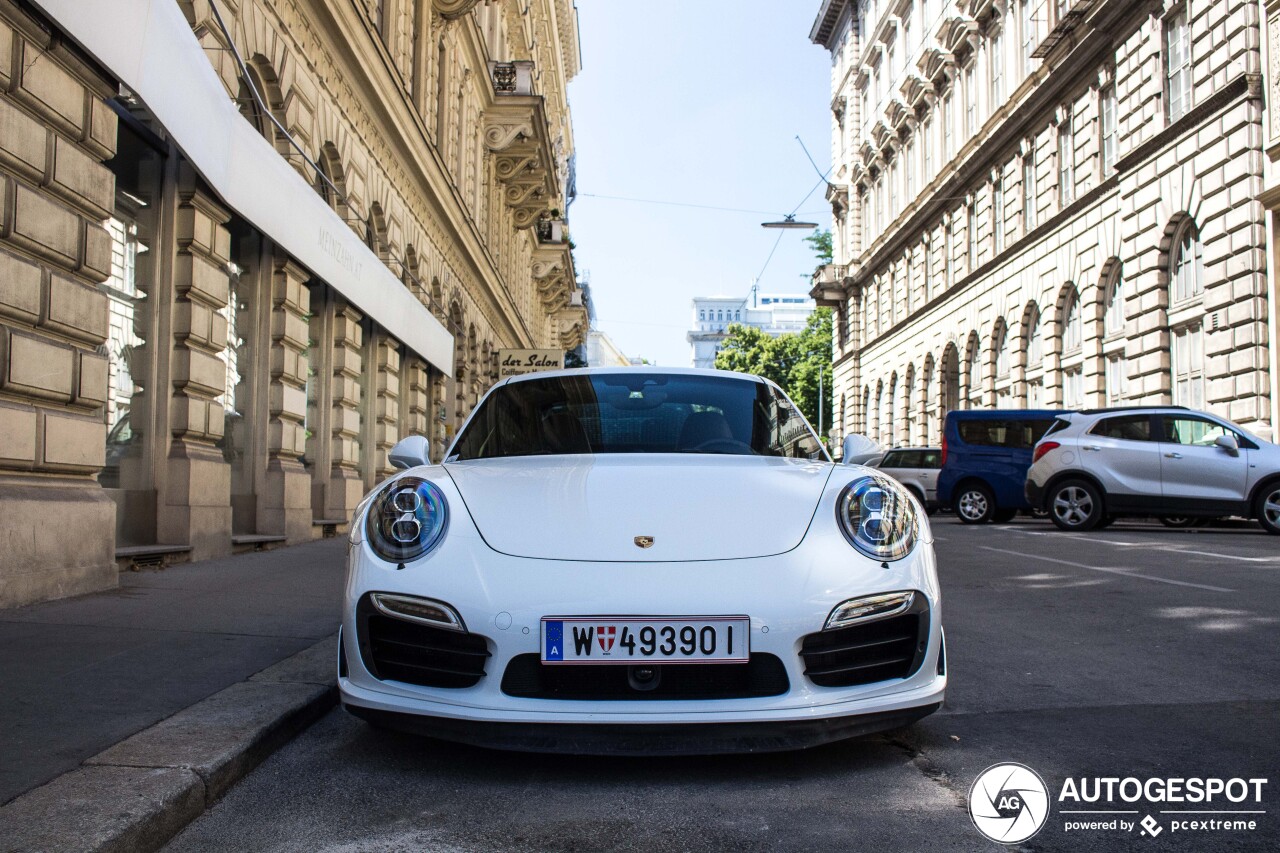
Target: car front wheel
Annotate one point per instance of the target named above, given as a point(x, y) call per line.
point(1268, 510)
point(1075, 505)
point(975, 504)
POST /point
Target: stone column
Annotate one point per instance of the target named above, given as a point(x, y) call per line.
point(284, 500)
point(195, 507)
point(345, 487)
point(415, 402)
point(55, 132)
point(386, 429)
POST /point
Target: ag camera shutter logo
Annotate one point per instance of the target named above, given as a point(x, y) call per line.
point(1008, 803)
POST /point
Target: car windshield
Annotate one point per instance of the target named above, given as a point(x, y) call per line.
point(636, 413)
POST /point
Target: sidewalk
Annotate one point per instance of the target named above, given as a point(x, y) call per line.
point(83, 674)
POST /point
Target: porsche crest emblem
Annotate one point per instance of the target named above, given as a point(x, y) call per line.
point(643, 541)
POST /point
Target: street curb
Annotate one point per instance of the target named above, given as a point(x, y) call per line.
point(138, 794)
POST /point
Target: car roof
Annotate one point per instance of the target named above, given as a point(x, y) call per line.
point(1134, 409)
point(643, 370)
point(1004, 414)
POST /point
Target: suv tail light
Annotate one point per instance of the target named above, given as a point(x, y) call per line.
point(944, 448)
point(1042, 448)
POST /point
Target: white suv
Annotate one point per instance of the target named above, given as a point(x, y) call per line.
point(1091, 467)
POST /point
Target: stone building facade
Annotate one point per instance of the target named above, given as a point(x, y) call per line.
point(1045, 203)
point(247, 245)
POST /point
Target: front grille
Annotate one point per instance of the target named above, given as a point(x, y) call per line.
point(866, 653)
point(763, 675)
point(399, 650)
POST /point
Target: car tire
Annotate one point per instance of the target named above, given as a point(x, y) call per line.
point(1178, 522)
point(1002, 516)
point(974, 504)
point(1075, 506)
point(1267, 509)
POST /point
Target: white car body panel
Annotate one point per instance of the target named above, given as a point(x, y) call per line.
point(695, 506)
point(790, 595)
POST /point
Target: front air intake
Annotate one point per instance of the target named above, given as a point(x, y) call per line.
point(396, 649)
point(864, 653)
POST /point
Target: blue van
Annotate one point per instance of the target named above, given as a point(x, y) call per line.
point(985, 457)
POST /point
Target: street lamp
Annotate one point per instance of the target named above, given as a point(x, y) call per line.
point(789, 221)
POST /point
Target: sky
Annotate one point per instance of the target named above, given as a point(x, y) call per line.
point(696, 102)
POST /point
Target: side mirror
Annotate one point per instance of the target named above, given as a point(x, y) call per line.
point(410, 452)
point(1228, 442)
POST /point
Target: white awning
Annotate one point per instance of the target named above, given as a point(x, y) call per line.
point(149, 45)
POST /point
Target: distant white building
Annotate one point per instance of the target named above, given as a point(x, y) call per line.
point(603, 352)
point(773, 313)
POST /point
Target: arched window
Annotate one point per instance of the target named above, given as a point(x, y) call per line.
point(1072, 327)
point(1002, 353)
point(1185, 274)
point(1035, 344)
point(974, 374)
point(1113, 307)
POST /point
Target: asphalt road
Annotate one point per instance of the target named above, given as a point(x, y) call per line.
point(1131, 652)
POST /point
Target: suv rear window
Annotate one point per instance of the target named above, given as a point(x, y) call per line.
point(1017, 434)
point(1125, 427)
point(896, 459)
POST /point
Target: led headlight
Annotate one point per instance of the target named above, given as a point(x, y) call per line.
point(406, 519)
point(878, 518)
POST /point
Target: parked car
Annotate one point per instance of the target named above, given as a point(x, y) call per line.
point(1094, 466)
point(917, 469)
point(639, 560)
point(985, 457)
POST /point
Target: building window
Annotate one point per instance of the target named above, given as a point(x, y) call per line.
point(926, 261)
point(926, 139)
point(1066, 164)
point(1072, 388)
point(971, 100)
point(1072, 327)
point(879, 193)
point(1117, 380)
point(1113, 316)
point(1186, 266)
point(1177, 64)
point(1035, 344)
point(973, 374)
point(949, 249)
point(1029, 188)
point(996, 61)
point(1002, 354)
point(1107, 121)
point(893, 189)
point(948, 136)
point(997, 216)
point(1028, 38)
point(1188, 366)
point(971, 237)
point(702, 315)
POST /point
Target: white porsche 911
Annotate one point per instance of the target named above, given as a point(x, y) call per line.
point(640, 560)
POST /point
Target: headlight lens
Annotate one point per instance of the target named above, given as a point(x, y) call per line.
point(878, 518)
point(406, 519)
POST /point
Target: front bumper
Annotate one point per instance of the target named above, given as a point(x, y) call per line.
point(646, 738)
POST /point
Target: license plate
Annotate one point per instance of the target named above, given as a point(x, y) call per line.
point(654, 639)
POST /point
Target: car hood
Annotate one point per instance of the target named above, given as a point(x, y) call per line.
point(593, 508)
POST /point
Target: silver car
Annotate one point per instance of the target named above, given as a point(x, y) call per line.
point(1094, 466)
point(917, 469)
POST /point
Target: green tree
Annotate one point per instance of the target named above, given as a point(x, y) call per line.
point(820, 242)
point(792, 360)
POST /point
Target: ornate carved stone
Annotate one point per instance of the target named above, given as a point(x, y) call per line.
point(450, 9)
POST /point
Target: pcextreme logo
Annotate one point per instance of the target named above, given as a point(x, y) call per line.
point(1008, 802)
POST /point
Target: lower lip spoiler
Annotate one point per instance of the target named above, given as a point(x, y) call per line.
point(644, 738)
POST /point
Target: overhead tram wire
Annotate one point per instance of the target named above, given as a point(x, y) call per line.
point(822, 180)
point(680, 204)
